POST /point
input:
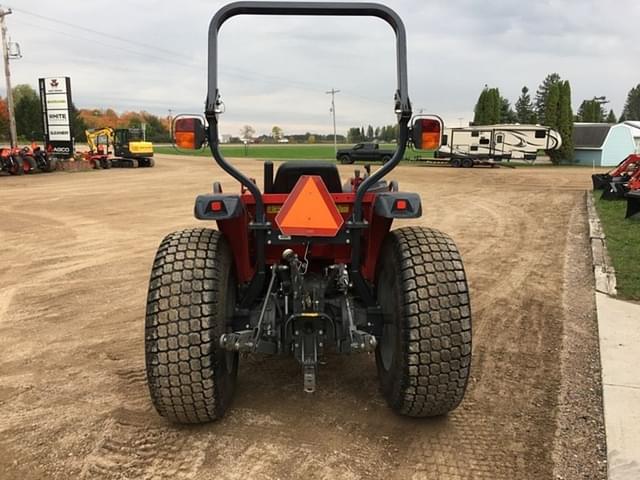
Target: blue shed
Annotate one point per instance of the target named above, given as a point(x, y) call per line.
point(604, 144)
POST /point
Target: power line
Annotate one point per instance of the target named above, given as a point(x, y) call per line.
point(97, 42)
point(95, 32)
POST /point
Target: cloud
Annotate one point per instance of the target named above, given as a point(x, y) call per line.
point(277, 70)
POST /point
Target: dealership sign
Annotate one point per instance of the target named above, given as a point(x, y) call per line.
point(55, 96)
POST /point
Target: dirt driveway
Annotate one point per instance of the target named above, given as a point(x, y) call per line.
point(75, 255)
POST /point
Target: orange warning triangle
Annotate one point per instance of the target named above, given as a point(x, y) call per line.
point(309, 210)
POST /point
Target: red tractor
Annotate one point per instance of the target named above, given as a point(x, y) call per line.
point(21, 160)
point(307, 266)
point(11, 161)
point(616, 184)
point(633, 196)
point(623, 170)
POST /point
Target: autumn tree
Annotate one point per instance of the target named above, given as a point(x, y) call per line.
point(4, 119)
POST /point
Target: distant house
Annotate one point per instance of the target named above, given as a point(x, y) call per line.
point(605, 144)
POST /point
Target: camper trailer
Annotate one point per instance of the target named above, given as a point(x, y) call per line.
point(490, 144)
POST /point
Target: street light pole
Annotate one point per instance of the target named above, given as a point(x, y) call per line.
point(7, 74)
point(333, 92)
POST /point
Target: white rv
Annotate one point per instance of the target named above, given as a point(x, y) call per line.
point(487, 144)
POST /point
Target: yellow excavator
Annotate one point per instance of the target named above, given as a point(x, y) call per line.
point(129, 149)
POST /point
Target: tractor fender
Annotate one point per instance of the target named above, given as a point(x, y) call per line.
point(218, 207)
point(389, 205)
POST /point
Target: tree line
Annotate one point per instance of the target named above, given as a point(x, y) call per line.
point(551, 107)
point(29, 125)
point(385, 133)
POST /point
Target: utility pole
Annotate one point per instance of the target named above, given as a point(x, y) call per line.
point(7, 74)
point(333, 92)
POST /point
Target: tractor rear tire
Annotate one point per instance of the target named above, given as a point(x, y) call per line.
point(51, 164)
point(191, 296)
point(19, 167)
point(30, 163)
point(424, 355)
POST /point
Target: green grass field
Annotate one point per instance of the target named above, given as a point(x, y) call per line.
point(279, 152)
point(622, 237)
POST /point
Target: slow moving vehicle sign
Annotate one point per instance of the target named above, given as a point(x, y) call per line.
point(55, 96)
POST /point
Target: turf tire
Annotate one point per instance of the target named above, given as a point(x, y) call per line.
point(191, 297)
point(424, 355)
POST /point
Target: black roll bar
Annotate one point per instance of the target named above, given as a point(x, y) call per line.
point(402, 103)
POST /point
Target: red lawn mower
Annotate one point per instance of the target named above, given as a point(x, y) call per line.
point(307, 266)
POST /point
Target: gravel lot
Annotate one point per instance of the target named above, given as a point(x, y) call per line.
point(75, 260)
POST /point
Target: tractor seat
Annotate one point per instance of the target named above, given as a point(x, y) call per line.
point(289, 173)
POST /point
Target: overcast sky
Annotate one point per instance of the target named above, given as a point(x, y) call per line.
point(151, 55)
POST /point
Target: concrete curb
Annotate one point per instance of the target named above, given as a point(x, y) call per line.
point(603, 270)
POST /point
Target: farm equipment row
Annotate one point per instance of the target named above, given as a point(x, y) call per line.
point(621, 182)
point(21, 160)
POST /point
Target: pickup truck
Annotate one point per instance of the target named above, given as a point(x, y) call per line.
point(364, 151)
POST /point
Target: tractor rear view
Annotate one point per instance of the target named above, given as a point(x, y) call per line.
point(307, 266)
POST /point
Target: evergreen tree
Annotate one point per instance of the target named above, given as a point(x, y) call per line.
point(353, 135)
point(524, 108)
point(495, 106)
point(591, 111)
point(565, 121)
point(551, 103)
point(489, 107)
point(543, 92)
point(611, 118)
point(631, 109)
point(480, 110)
point(28, 113)
point(369, 133)
point(78, 125)
point(507, 115)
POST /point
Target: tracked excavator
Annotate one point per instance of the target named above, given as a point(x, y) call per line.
point(129, 149)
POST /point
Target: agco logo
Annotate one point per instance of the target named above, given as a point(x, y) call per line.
point(61, 150)
point(53, 83)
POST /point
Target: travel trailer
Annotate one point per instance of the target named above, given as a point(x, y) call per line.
point(489, 144)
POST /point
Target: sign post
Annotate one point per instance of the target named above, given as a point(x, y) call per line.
point(55, 96)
